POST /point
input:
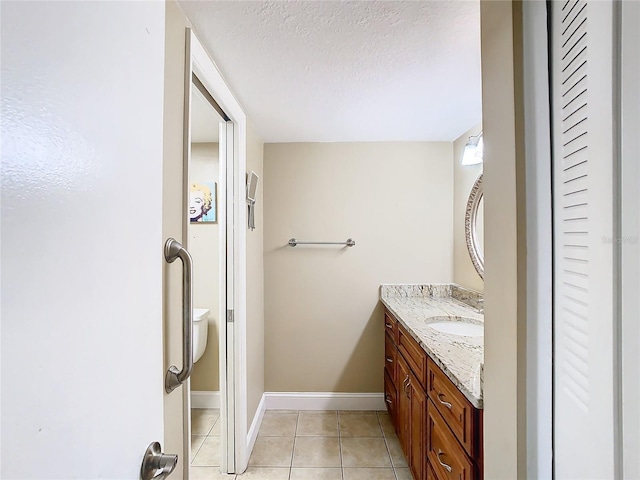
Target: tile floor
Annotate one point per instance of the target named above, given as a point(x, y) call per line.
point(205, 444)
point(306, 445)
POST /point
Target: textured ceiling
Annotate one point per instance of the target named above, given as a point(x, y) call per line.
point(348, 71)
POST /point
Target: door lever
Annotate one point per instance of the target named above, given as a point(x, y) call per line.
point(157, 465)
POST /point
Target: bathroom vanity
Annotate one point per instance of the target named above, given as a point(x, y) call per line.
point(434, 350)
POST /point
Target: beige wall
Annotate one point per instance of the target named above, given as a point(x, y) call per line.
point(255, 282)
point(505, 272)
point(323, 320)
point(204, 246)
point(464, 272)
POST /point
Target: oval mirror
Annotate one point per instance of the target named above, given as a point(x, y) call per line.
point(474, 226)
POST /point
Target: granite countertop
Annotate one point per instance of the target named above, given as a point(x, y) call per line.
point(461, 358)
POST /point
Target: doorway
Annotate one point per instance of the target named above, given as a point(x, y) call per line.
point(207, 155)
point(185, 57)
point(202, 78)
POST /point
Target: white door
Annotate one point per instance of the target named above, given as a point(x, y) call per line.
point(582, 87)
point(82, 358)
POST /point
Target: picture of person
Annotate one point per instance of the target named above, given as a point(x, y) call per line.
point(202, 202)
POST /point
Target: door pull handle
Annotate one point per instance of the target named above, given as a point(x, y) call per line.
point(174, 378)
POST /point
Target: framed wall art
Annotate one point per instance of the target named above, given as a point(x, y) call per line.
point(203, 204)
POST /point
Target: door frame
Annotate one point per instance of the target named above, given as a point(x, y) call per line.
point(539, 240)
point(233, 374)
point(629, 175)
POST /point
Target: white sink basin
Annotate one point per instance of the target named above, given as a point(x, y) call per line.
point(462, 328)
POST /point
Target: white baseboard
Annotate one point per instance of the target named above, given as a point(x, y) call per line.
point(252, 435)
point(323, 401)
point(205, 399)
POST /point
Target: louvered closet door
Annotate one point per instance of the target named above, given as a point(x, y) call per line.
point(582, 106)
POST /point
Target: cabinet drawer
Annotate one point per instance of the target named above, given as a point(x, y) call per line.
point(413, 353)
point(390, 358)
point(391, 326)
point(391, 399)
point(430, 474)
point(445, 455)
point(456, 410)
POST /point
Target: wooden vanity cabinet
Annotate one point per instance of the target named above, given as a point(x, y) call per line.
point(411, 399)
point(440, 432)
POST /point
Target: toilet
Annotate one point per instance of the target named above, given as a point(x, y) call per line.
point(200, 329)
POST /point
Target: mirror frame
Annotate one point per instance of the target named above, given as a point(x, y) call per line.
point(470, 226)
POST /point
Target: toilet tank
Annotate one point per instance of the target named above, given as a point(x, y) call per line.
point(200, 331)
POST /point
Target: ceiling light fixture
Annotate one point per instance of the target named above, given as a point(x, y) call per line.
point(473, 150)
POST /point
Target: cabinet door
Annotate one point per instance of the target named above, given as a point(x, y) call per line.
point(390, 399)
point(404, 406)
point(446, 457)
point(418, 422)
point(430, 473)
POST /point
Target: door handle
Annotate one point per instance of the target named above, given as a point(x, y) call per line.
point(157, 465)
point(174, 378)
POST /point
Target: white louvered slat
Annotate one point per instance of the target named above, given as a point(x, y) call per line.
point(581, 196)
point(573, 254)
